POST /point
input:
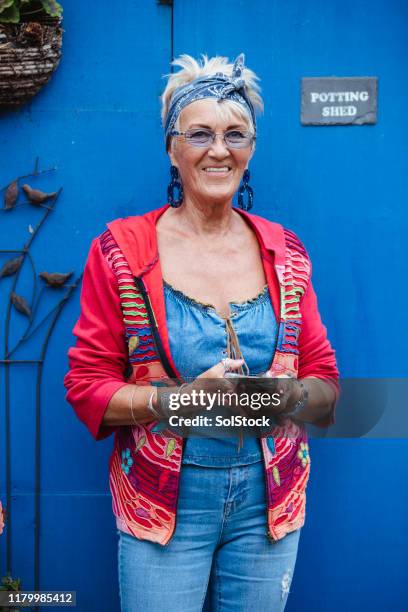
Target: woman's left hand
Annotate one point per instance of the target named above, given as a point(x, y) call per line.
point(283, 393)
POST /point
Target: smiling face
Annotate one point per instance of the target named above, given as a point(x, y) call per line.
point(213, 173)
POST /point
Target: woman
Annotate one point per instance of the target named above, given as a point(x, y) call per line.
point(193, 290)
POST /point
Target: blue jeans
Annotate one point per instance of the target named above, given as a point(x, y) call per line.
point(220, 543)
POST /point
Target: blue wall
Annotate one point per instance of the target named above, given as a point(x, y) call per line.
point(341, 189)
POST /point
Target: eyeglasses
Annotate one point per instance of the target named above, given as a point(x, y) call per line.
point(199, 137)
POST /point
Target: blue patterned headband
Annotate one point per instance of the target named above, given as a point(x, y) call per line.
point(219, 86)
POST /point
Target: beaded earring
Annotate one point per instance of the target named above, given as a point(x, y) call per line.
point(245, 188)
point(175, 184)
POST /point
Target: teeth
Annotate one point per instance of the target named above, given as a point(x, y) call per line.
point(224, 169)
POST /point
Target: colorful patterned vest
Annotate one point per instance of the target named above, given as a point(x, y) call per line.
point(145, 464)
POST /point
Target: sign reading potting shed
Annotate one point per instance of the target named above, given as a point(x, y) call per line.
point(339, 100)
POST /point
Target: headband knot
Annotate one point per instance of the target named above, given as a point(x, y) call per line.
point(234, 85)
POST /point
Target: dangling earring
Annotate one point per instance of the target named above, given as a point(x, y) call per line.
point(175, 184)
point(245, 187)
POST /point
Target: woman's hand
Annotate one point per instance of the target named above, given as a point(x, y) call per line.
point(267, 395)
point(219, 370)
point(199, 395)
point(212, 380)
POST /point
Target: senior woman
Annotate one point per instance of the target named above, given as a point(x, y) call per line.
point(187, 292)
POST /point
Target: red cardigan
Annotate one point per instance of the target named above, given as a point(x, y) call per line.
point(123, 269)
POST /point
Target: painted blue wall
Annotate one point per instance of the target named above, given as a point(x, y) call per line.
point(341, 189)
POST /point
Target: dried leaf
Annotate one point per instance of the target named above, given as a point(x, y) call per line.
point(20, 304)
point(55, 279)
point(36, 196)
point(11, 195)
point(11, 266)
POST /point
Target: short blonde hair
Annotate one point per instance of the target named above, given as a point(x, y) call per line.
point(191, 69)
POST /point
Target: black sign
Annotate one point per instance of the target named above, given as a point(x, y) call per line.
point(339, 100)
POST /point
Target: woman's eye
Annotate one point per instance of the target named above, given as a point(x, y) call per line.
point(198, 134)
point(235, 134)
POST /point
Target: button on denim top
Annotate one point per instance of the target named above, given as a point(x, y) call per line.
point(198, 340)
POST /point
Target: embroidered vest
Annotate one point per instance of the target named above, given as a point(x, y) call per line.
point(145, 464)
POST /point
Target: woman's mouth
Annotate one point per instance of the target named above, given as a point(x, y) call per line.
point(217, 170)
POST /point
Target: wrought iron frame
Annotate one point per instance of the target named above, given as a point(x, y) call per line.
point(8, 361)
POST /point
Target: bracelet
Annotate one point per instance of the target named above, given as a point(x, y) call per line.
point(301, 403)
point(181, 386)
point(164, 412)
point(131, 405)
point(151, 408)
point(163, 401)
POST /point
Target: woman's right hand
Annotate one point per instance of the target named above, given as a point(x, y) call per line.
point(212, 380)
point(219, 369)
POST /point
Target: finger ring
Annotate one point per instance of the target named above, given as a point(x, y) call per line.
point(226, 363)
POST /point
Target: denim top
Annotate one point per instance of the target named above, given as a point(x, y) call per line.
point(198, 340)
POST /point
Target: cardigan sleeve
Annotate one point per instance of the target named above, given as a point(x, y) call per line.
point(316, 355)
point(97, 362)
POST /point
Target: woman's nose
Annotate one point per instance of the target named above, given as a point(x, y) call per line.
point(218, 146)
